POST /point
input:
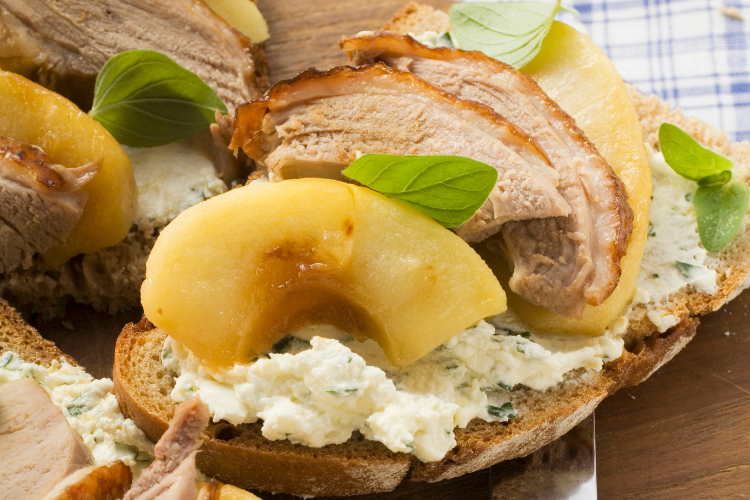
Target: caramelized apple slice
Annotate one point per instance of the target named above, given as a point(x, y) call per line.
point(36, 116)
point(574, 72)
point(232, 275)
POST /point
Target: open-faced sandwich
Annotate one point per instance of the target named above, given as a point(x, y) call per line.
point(84, 196)
point(440, 262)
point(342, 336)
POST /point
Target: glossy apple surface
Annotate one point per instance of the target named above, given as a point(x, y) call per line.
point(232, 275)
point(31, 114)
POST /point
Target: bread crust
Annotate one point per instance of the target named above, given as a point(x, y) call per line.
point(21, 338)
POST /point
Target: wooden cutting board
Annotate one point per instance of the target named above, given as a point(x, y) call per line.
point(683, 434)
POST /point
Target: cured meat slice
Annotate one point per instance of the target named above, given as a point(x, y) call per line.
point(561, 263)
point(316, 124)
point(62, 44)
point(40, 202)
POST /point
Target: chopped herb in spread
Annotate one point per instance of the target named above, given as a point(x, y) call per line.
point(505, 412)
point(686, 269)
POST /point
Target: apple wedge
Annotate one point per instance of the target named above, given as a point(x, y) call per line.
point(232, 275)
point(574, 72)
point(34, 115)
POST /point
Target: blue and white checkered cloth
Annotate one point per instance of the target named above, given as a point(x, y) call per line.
point(685, 51)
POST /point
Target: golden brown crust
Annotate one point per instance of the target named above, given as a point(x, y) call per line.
point(18, 336)
point(105, 482)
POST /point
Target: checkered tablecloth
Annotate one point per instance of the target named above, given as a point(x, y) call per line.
point(684, 51)
point(693, 53)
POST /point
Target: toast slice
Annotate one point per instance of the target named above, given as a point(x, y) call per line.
point(239, 454)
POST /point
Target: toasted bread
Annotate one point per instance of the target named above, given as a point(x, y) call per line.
point(239, 454)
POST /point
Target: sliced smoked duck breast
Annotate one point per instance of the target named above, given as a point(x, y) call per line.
point(62, 44)
point(316, 124)
point(561, 263)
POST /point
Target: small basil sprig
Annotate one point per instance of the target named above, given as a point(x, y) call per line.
point(687, 157)
point(510, 32)
point(720, 203)
point(450, 189)
point(144, 99)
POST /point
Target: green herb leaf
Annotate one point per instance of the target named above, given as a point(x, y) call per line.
point(688, 158)
point(444, 40)
point(720, 178)
point(504, 412)
point(6, 359)
point(687, 270)
point(505, 386)
point(282, 345)
point(510, 32)
point(450, 189)
point(720, 209)
point(526, 335)
point(74, 411)
point(144, 99)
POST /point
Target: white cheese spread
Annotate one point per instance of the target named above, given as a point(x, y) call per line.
point(674, 258)
point(319, 391)
point(434, 39)
point(172, 178)
point(89, 406)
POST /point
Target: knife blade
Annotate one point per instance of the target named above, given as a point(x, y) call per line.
point(563, 470)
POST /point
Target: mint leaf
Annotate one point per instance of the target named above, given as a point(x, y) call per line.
point(688, 158)
point(720, 209)
point(510, 32)
point(503, 412)
point(144, 99)
point(450, 189)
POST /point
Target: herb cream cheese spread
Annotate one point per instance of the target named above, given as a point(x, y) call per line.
point(90, 407)
point(172, 178)
point(325, 385)
point(674, 258)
